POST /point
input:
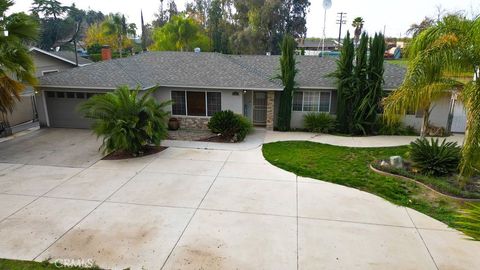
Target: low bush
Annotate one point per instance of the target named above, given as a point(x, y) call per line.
point(127, 121)
point(395, 128)
point(434, 158)
point(229, 125)
point(319, 122)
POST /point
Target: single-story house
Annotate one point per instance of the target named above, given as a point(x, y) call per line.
point(45, 63)
point(201, 84)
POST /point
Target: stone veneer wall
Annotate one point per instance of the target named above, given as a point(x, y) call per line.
point(270, 110)
point(193, 122)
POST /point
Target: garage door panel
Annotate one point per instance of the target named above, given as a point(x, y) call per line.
point(63, 112)
point(459, 121)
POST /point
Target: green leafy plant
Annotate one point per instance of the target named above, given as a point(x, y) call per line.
point(229, 125)
point(359, 79)
point(437, 60)
point(394, 128)
point(126, 120)
point(469, 221)
point(17, 69)
point(434, 158)
point(180, 33)
point(319, 122)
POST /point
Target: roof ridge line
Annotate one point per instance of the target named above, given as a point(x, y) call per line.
point(120, 64)
point(251, 70)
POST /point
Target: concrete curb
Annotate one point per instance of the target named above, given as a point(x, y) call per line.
point(422, 184)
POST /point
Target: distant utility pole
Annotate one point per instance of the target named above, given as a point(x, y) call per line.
point(341, 21)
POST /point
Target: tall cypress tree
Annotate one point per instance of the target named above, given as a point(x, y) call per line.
point(375, 80)
point(288, 72)
point(359, 85)
point(344, 77)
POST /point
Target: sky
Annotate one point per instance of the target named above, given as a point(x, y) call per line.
point(394, 17)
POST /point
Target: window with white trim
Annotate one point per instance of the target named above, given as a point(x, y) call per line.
point(196, 103)
point(214, 102)
point(311, 101)
point(324, 105)
point(297, 101)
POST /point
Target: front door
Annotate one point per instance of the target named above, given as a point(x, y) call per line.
point(260, 108)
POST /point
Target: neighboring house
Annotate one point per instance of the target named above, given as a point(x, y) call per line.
point(45, 63)
point(200, 84)
point(313, 47)
point(52, 62)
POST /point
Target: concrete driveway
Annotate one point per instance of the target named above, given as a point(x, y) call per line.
point(52, 147)
point(212, 209)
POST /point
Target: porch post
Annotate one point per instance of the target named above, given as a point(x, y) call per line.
point(270, 109)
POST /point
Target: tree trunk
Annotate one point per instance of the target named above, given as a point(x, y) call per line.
point(120, 46)
point(426, 117)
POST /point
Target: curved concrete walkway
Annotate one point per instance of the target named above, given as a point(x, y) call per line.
point(260, 136)
point(213, 209)
point(366, 141)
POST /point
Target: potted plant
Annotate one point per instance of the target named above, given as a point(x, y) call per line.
point(173, 123)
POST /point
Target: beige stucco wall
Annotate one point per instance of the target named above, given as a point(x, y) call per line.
point(48, 63)
point(438, 116)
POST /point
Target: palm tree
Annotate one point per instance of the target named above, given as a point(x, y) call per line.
point(127, 120)
point(438, 57)
point(16, 66)
point(115, 25)
point(358, 25)
point(416, 29)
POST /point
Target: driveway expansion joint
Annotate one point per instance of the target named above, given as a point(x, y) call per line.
point(89, 213)
point(196, 210)
point(423, 241)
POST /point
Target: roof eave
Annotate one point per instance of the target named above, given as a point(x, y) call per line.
point(57, 57)
point(216, 87)
point(76, 87)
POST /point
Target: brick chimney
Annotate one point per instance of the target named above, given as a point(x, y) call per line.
point(106, 53)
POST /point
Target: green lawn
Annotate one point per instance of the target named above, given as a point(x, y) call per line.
point(350, 167)
point(29, 265)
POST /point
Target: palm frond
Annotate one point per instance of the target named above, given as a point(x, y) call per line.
point(127, 119)
point(469, 221)
point(10, 91)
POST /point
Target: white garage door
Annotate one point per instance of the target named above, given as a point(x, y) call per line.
point(459, 121)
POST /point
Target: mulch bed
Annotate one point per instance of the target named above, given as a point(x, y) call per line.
point(196, 135)
point(216, 138)
point(471, 187)
point(149, 150)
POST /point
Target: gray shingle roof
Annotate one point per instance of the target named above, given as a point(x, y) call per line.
point(313, 71)
point(211, 70)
